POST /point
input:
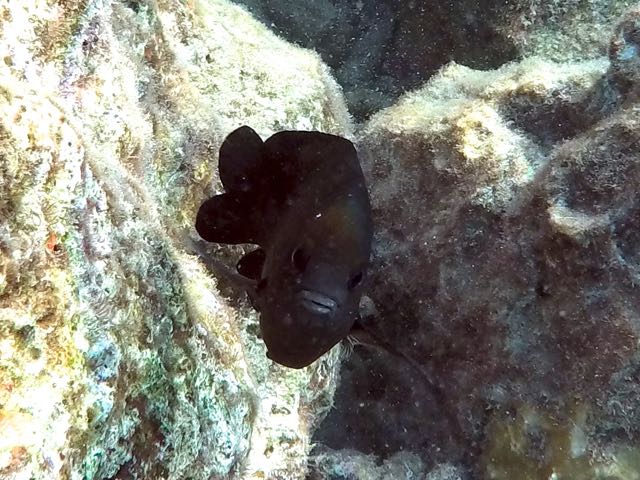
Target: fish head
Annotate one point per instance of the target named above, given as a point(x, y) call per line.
point(311, 286)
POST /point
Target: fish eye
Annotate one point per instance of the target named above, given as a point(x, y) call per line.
point(299, 258)
point(354, 281)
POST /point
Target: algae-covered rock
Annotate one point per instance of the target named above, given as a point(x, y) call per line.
point(353, 464)
point(563, 30)
point(347, 464)
point(505, 269)
point(119, 356)
point(380, 49)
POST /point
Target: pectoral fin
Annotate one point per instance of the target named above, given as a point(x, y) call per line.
point(250, 265)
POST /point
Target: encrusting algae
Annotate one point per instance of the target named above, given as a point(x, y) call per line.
point(120, 357)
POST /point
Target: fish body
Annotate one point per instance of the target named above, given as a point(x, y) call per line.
point(301, 197)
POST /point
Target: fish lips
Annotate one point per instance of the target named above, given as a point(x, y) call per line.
point(316, 302)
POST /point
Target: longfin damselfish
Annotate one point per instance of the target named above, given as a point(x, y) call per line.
point(301, 197)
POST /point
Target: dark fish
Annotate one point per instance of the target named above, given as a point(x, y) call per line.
point(301, 197)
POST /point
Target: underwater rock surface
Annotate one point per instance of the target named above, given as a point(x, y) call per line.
point(119, 355)
point(506, 256)
point(379, 49)
point(506, 267)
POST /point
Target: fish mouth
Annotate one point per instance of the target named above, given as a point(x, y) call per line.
point(317, 302)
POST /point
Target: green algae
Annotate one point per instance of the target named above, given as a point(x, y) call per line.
point(534, 444)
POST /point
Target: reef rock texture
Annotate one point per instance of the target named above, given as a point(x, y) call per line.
point(354, 464)
point(506, 273)
point(119, 356)
point(379, 49)
point(335, 465)
point(562, 30)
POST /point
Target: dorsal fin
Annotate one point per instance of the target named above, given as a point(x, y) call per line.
point(229, 218)
point(240, 159)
